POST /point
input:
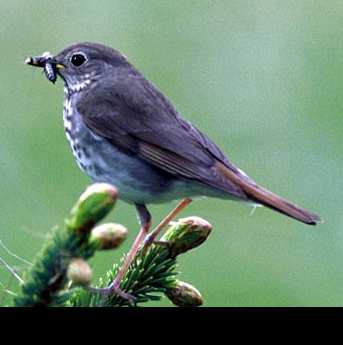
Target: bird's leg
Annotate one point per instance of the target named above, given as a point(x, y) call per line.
point(145, 222)
point(151, 237)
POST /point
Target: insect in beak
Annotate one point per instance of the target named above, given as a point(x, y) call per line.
point(49, 65)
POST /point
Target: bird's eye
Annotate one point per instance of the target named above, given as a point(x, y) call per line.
point(78, 59)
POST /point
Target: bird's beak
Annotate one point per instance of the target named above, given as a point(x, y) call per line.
point(48, 62)
point(41, 60)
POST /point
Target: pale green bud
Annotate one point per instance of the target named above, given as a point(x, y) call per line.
point(184, 295)
point(186, 234)
point(108, 236)
point(79, 272)
point(92, 206)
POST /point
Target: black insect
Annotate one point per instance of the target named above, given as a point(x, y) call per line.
point(45, 61)
point(50, 71)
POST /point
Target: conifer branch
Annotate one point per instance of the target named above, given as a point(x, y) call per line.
point(61, 275)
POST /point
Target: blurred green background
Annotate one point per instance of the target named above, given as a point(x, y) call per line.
point(262, 79)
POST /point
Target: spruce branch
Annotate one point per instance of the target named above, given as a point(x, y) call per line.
point(46, 282)
point(61, 275)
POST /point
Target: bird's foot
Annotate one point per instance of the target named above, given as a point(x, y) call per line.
point(113, 288)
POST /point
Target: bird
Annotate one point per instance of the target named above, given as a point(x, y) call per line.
point(124, 131)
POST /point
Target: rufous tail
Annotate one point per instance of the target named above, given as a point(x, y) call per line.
point(266, 198)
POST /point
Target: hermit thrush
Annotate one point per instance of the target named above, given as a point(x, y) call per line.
point(124, 131)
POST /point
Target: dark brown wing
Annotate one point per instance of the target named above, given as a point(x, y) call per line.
point(138, 119)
